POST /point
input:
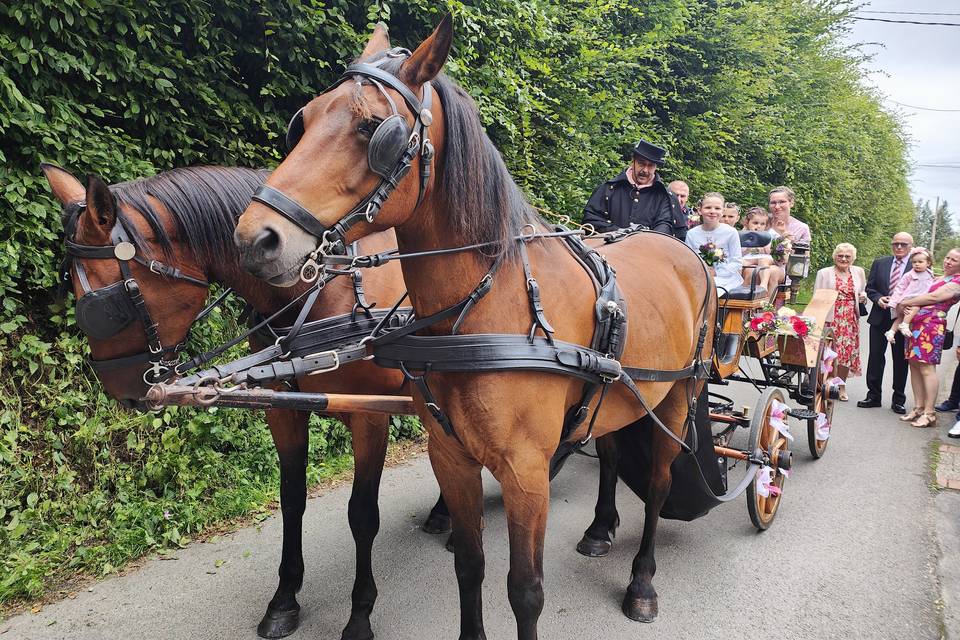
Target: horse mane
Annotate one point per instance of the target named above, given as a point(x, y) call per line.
point(205, 201)
point(482, 201)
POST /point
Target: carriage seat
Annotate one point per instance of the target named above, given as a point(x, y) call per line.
point(746, 293)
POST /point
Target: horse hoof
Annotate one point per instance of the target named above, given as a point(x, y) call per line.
point(279, 624)
point(362, 632)
point(437, 524)
point(593, 548)
point(449, 544)
point(640, 609)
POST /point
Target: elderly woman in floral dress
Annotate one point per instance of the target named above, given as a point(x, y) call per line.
point(850, 282)
point(925, 344)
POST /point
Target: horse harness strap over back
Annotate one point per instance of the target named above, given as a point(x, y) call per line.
point(597, 365)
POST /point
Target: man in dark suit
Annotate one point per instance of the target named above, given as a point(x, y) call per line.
point(636, 196)
point(884, 274)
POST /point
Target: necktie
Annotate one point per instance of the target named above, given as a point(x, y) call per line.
point(895, 274)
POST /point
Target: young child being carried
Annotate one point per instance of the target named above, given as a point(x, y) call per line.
point(913, 282)
point(758, 220)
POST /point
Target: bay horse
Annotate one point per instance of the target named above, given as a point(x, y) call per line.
point(507, 421)
point(185, 218)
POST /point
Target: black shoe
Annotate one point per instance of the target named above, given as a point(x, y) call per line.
point(947, 405)
point(868, 403)
point(898, 408)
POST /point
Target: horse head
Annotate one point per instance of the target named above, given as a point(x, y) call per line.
point(359, 161)
point(136, 300)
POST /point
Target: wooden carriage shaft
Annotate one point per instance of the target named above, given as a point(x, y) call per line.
point(168, 394)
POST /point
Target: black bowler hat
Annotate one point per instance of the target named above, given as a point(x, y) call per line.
point(650, 151)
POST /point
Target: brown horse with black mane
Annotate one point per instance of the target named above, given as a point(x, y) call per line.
point(185, 219)
point(507, 421)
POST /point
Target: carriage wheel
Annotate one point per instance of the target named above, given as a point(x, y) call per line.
point(822, 402)
point(766, 438)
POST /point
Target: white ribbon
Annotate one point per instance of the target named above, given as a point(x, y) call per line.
point(823, 427)
point(778, 419)
point(765, 486)
point(826, 364)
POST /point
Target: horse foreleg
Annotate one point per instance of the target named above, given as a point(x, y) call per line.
point(370, 433)
point(289, 431)
point(640, 601)
point(598, 538)
point(526, 498)
point(462, 489)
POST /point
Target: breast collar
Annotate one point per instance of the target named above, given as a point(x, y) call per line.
point(418, 142)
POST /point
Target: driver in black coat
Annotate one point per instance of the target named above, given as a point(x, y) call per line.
point(636, 196)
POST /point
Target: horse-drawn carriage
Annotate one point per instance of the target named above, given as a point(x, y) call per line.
point(524, 384)
point(792, 367)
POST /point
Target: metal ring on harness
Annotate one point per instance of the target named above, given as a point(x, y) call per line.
point(156, 373)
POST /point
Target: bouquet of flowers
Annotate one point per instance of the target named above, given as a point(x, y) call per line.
point(780, 248)
point(693, 218)
point(786, 321)
point(712, 254)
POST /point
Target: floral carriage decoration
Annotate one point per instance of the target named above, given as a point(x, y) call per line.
point(712, 254)
point(786, 321)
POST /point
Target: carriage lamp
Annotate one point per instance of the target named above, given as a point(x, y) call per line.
point(798, 262)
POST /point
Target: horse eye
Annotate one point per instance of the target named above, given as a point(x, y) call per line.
point(367, 126)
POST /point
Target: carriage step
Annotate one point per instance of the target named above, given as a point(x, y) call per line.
point(802, 414)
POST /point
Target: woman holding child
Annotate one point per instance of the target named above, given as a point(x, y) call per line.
point(850, 282)
point(925, 344)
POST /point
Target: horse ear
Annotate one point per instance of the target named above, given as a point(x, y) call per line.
point(66, 188)
point(429, 58)
point(379, 41)
point(101, 206)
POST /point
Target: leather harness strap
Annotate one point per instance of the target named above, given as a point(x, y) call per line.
point(410, 353)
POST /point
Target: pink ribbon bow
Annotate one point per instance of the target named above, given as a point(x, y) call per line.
point(823, 427)
point(765, 486)
point(778, 419)
point(826, 364)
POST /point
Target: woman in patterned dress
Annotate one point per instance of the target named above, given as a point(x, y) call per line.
point(924, 346)
point(850, 282)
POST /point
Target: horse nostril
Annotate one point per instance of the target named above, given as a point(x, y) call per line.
point(267, 242)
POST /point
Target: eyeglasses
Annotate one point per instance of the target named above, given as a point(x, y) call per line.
point(899, 244)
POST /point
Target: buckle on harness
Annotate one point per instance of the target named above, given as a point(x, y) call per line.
point(333, 367)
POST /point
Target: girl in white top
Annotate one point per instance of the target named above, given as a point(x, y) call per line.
point(726, 272)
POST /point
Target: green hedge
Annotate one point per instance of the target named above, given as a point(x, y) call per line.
point(746, 95)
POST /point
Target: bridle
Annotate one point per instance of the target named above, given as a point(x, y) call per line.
point(391, 152)
point(103, 313)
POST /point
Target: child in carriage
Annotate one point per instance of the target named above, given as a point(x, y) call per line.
point(913, 282)
point(731, 214)
point(758, 219)
point(717, 244)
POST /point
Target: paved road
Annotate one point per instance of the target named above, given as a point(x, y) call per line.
point(852, 554)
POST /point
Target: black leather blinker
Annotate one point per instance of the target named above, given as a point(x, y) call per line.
point(105, 312)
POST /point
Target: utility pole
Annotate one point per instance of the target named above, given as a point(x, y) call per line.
point(933, 232)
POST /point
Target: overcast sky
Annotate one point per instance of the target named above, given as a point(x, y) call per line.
point(920, 65)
